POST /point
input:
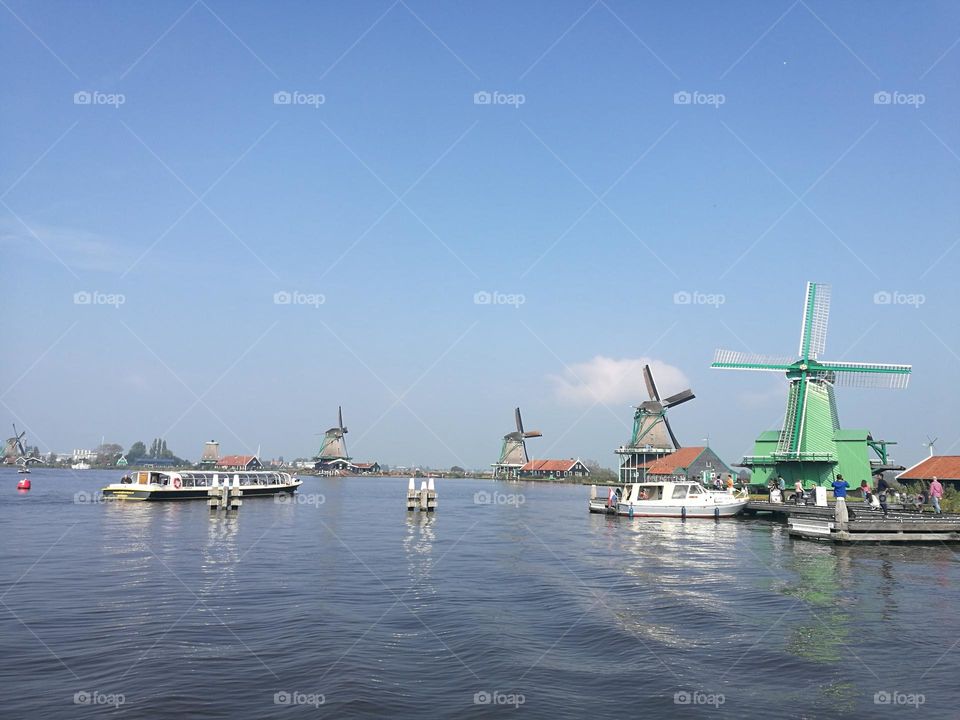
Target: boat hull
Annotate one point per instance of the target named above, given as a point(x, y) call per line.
point(723, 510)
point(132, 492)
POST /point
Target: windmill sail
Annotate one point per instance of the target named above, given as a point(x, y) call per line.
point(816, 314)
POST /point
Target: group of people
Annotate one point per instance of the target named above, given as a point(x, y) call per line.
point(876, 499)
point(933, 494)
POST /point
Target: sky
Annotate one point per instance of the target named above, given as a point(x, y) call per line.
point(222, 220)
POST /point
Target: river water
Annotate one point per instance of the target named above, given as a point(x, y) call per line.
point(511, 599)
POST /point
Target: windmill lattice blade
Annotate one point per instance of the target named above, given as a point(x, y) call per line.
point(737, 360)
point(816, 314)
point(516, 414)
point(678, 399)
point(866, 375)
point(340, 416)
point(673, 438)
point(651, 385)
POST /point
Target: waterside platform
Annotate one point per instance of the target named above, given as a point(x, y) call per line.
point(813, 522)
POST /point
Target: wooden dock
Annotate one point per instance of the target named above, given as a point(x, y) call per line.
point(813, 522)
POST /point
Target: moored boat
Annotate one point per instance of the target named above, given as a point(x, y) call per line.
point(80, 466)
point(668, 498)
point(195, 485)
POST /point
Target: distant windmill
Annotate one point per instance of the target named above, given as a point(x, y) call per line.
point(332, 456)
point(808, 447)
point(16, 451)
point(929, 444)
point(513, 452)
point(652, 436)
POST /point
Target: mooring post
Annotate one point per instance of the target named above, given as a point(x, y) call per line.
point(593, 492)
point(431, 496)
point(412, 495)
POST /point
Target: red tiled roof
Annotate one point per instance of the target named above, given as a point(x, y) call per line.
point(941, 466)
point(549, 465)
point(672, 463)
point(235, 460)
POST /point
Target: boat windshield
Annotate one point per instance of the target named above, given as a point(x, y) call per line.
point(680, 492)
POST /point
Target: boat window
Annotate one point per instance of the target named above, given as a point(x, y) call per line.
point(695, 489)
point(679, 492)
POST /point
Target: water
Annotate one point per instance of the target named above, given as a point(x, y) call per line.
point(345, 605)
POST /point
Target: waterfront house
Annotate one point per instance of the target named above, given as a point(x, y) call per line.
point(239, 462)
point(366, 468)
point(946, 468)
point(689, 463)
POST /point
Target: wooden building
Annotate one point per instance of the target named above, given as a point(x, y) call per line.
point(554, 468)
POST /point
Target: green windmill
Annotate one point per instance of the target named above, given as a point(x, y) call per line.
point(811, 446)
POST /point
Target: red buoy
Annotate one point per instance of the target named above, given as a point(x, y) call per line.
point(23, 484)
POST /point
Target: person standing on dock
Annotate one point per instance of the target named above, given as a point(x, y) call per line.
point(936, 492)
point(840, 487)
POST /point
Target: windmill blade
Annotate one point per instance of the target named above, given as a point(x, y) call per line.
point(340, 419)
point(678, 399)
point(516, 415)
point(673, 438)
point(737, 360)
point(651, 385)
point(816, 313)
point(532, 433)
point(865, 375)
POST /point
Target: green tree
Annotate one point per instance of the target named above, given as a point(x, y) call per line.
point(137, 450)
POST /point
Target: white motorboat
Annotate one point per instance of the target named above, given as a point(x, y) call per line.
point(668, 498)
point(80, 466)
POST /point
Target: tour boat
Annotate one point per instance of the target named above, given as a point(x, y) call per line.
point(24, 470)
point(668, 498)
point(194, 485)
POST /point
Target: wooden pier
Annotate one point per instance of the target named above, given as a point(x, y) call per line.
point(817, 522)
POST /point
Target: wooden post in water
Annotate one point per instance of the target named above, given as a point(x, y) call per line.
point(431, 501)
point(412, 495)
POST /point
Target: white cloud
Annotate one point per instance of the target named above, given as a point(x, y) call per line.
point(78, 249)
point(609, 380)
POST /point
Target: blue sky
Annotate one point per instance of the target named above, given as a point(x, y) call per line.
point(588, 195)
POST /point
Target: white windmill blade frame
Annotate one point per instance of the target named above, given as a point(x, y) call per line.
point(739, 357)
point(815, 323)
point(871, 375)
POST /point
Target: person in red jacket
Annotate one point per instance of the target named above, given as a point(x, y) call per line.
point(936, 492)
